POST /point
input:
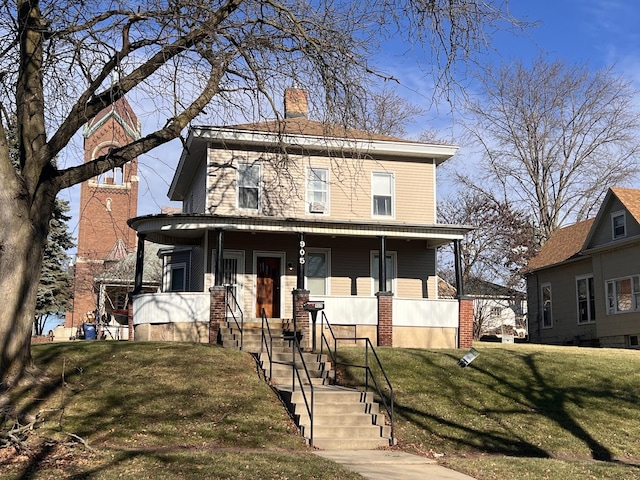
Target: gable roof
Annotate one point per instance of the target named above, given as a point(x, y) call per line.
point(564, 244)
point(630, 199)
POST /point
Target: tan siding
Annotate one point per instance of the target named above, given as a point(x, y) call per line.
point(284, 186)
point(197, 191)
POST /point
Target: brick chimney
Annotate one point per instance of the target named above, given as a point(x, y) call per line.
point(295, 103)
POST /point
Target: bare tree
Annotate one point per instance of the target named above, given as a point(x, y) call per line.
point(554, 138)
point(63, 61)
point(501, 243)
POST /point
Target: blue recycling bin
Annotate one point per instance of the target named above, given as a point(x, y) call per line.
point(89, 331)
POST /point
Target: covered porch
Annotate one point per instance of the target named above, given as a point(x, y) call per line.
point(279, 264)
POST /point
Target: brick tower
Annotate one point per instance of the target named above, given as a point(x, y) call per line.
point(106, 202)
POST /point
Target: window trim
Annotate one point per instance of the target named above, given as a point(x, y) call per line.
point(327, 279)
point(394, 266)
point(542, 308)
point(239, 256)
point(392, 177)
point(168, 276)
point(590, 299)
point(258, 186)
point(612, 309)
point(618, 214)
point(327, 191)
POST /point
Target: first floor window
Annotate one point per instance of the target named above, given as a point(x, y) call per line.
point(390, 266)
point(249, 186)
point(547, 319)
point(586, 300)
point(623, 294)
point(317, 272)
point(176, 277)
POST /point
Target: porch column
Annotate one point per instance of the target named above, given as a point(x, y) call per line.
point(458, 266)
point(217, 311)
point(301, 316)
point(130, 318)
point(137, 288)
point(382, 265)
point(218, 274)
point(385, 319)
point(465, 322)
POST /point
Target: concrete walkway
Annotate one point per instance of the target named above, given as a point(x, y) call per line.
point(391, 465)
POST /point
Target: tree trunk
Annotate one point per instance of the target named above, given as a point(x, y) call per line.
point(22, 239)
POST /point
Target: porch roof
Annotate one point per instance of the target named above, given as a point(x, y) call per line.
point(188, 229)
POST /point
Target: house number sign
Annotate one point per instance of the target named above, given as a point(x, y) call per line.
point(302, 252)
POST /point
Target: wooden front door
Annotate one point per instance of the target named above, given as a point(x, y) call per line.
point(268, 287)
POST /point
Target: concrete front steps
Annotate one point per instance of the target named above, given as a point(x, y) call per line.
point(343, 418)
point(281, 330)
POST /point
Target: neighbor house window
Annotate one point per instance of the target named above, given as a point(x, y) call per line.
point(586, 300)
point(317, 190)
point(391, 271)
point(382, 194)
point(618, 225)
point(545, 297)
point(623, 294)
point(249, 186)
point(317, 272)
point(496, 312)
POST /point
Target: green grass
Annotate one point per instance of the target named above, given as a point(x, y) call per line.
point(520, 411)
point(196, 411)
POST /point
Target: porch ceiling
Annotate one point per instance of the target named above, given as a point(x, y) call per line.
point(188, 229)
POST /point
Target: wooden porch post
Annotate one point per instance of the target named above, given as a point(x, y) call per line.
point(218, 274)
point(137, 288)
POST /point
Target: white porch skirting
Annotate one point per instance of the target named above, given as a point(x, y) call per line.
point(176, 307)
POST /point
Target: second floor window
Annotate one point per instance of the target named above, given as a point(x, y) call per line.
point(317, 190)
point(382, 194)
point(618, 225)
point(249, 186)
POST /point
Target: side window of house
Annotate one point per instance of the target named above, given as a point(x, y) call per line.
point(382, 194)
point(623, 294)
point(317, 271)
point(176, 277)
point(317, 190)
point(248, 181)
point(546, 305)
point(391, 271)
point(618, 225)
point(586, 300)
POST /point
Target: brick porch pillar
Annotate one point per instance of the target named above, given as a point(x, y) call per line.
point(217, 311)
point(385, 319)
point(301, 316)
point(130, 318)
point(465, 322)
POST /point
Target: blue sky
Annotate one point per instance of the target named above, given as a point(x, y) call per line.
point(597, 32)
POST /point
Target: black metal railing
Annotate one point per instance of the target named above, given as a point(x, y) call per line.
point(232, 306)
point(266, 345)
point(331, 344)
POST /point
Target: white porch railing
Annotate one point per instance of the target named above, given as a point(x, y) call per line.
point(424, 312)
point(171, 307)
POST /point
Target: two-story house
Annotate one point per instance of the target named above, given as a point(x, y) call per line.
point(583, 287)
point(283, 211)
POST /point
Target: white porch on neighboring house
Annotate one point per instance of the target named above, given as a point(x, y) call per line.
point(412, 316)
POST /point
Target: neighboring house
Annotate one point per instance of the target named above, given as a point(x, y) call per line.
point(285, 211)
point(583, 287)
point(497, 310)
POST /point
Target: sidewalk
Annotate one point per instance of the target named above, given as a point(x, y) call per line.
point(391, 465)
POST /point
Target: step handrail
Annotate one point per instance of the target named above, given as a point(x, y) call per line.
point(267, 343)
point(324, 341)
point(231, 308)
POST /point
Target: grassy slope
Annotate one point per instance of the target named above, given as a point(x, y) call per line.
point(196, 411)
point(563, 411)
point(171, 410)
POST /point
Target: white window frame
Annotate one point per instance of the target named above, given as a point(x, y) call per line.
point(614, 215)
point(312, 191)
point(393, 275)
point(591, 312)
point(542, 306)
point(391, 195)
point(258, 187)
point(168, 276)
point(239, 256)
point(327, 278)
point(613, 295)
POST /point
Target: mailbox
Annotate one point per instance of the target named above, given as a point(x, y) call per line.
point(313, 306)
